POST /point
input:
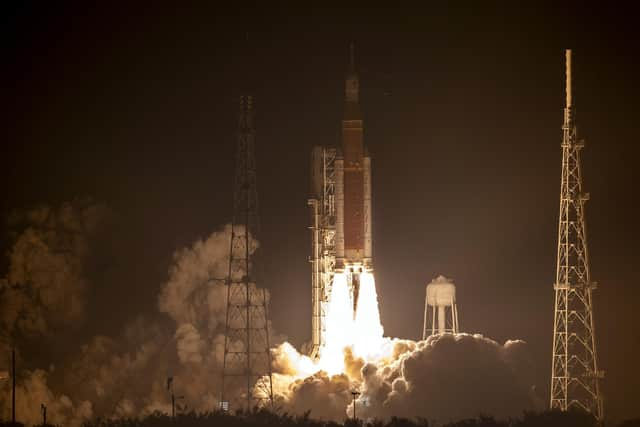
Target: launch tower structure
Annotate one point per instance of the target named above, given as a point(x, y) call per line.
point(246, 372)
point(340, 204)
point(323, 232)
point(575, 378)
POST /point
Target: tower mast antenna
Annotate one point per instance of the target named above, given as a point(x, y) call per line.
point(575, 378)
point(568, 78)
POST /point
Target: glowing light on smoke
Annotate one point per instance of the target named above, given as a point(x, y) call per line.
point(368, 340)
point(393, 375)
point(364, 334)
point(339, 324)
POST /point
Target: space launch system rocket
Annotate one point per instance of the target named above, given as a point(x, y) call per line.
point(340, 202)
point(353, 185)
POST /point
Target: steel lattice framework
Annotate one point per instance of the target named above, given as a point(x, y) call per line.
point(246, 378)
point(575, 376)
point(323, 231)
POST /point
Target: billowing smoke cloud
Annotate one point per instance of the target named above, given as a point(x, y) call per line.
point(124, 376)
point(444, 378)
point(449, 377)
point(45, 285)
point(195, 293)
point(127, 376)
point(32, 391)
point(46, 290)
point(43, 293)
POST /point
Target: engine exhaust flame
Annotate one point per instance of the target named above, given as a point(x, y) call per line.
point(363, 334)
point(368, 340)
point(339, 327)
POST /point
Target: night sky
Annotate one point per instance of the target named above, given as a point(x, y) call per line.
point(136, 107)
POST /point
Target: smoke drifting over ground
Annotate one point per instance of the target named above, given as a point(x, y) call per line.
point(45, 291)
point(445, 377)
point(45, 285)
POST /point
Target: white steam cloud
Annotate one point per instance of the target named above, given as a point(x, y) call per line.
point(446, 377)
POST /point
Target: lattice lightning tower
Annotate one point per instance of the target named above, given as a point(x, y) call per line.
point(575, 376)
point(246, 378)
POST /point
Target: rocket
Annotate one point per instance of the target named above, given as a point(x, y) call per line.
point(353, 187)
point(340, 208)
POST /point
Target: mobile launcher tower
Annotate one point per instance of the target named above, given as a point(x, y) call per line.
point(340, 205)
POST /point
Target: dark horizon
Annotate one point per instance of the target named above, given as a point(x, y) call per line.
point(462, 108)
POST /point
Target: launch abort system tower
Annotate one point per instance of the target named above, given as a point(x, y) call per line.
point(575, 378)
point(341, 240)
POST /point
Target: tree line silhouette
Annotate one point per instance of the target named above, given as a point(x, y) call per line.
point(264, 418)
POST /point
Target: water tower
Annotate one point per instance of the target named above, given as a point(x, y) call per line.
point(440, 311)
